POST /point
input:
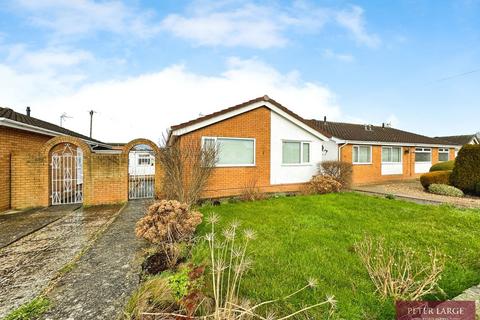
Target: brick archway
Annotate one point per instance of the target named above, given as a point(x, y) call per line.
point(141, 180)
point(52, 145)
point(135, 142)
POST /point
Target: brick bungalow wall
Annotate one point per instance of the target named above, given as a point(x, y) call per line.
point(13, 141)
point(372, 173)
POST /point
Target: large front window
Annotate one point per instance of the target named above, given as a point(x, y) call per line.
point(362, 154)
point(295, 152)
point(443, 154)
point(391, 154)
point(232, 151)
point(423, 155)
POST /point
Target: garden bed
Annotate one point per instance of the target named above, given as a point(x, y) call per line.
point(313, 236)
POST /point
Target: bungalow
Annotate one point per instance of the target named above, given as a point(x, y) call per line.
point(262, 143)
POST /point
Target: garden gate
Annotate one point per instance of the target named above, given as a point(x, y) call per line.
point(141, 172)
point(67, 174)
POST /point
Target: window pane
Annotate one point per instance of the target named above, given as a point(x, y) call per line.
point(443, 156)
point(208, 143)
point(396, 154)
point(291, 152)
point(355, 154)
point(422, 157)
point(364, 154)
point(235, 151)
point(306, 152)
point(386, 154)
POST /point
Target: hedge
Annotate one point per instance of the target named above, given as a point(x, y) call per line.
point(442, 166)
point(444, 190)
point(466, 173)
point(438, 177)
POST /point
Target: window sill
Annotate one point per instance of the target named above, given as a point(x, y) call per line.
point(235, 165)
point(361, 163)
point(296, 164)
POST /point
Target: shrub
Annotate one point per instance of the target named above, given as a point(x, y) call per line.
point(339, 170)
point(438, 177)
point(445, 190)
point(166, 223)
point(443, 166)
point(466, 173)
point(322, 184)
point(186, 167)
point(251, 192)
point(398, 272)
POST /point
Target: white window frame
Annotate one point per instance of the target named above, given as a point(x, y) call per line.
point(302, 142)
point(443, 150)
point(423, 150)
point(360, 163)
point(234, 138)
point(391, 148)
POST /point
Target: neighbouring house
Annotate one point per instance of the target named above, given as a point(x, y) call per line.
point(44, 164)
point(263, 144)
point(462, 140)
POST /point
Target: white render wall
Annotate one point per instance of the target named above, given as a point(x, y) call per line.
point(282, 129)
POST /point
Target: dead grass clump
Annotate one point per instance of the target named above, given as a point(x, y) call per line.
point(400, 273)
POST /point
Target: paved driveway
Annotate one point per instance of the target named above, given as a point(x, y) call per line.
point(413, 190)
point(29, 264)
point(14, 226)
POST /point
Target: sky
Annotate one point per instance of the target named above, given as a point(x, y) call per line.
point(143, 66)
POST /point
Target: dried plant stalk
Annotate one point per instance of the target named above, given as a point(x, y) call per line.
point(186, 167)
point(399, 273)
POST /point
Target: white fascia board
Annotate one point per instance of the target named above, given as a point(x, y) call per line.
point(247, 108)
point(400, 144)
point(27, 127)
point(113, 151)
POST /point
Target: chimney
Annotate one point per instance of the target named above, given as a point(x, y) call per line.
point(28, 111)
point(383, 124)
point(324, 119)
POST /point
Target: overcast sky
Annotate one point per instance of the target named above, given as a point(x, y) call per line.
point(146, 65)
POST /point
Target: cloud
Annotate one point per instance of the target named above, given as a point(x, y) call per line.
point(80, 17)
point(145, 105)
point(354, 21)
point(343, 57)
point(234, 23)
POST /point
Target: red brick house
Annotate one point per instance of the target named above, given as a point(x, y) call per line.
point(263, 141)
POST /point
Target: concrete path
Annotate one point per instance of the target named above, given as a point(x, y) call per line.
point(28, 265)
point(105, 276)
point(14, 226)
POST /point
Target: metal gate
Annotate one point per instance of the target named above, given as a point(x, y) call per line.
point(67, 175)
point(141, 173)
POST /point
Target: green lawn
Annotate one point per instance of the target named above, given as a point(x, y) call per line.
point(312, 236)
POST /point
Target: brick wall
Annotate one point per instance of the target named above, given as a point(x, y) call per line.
point(372, 173)
point(13, 141)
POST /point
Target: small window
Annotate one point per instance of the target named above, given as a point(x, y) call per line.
point(443, 154)
point(362, 154)
point(295, 152)
point(423, 155)
point(232, 151)
point(391, 154)
point(144, 160)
